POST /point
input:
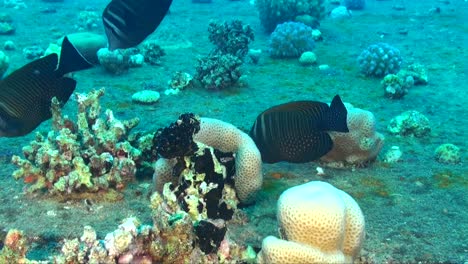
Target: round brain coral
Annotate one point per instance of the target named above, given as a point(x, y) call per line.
point(319, 224)
point(290, 40)
point(379, 60)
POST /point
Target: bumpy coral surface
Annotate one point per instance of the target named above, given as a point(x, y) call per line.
point(274, 12)
point(410, 123)
point(359, 146)
point(185, 141)
point(120, 60)
point(318, 223)
point(218, 71)
point(448, 153)
point(90, 154)
point(290, 40)
point(379, 60)
point(231, 38)
point(227, 138)
point(174, 237)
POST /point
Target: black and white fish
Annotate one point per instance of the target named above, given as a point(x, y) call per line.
point(297, 131)
point(128, 22)
point(26, 94)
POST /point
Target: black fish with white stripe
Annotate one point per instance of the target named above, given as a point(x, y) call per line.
point(297, 131)
point(26, 94)
point(128, 22)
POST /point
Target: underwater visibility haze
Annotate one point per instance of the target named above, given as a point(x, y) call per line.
point(233, 131)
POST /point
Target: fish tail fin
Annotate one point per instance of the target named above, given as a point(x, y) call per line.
point(338, 115)
point(65, 88)
point(71, 59)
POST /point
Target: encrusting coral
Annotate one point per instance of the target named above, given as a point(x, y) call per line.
point(359, 146)
point(318, 224)
point(88, 155)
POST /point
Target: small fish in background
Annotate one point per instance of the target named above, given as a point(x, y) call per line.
point(297, 131)
point(128, 22)
point(26, 94)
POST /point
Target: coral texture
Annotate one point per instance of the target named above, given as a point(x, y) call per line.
point(318, 223)
point(231, 38)
point(379, 60)
point(359, 146)
point(227, 138)
point(176, 143)
point(218, 72)
point(90, 154)
point(410, 123)
point(120, 60)
point(173, 238)
point(448, 153)
point(290, 40)
point(274, 12)
point(152, 52)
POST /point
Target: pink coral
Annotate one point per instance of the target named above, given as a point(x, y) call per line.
point(359, 146)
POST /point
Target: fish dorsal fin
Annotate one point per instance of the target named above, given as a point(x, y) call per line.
point(338, 115)
point(71, 59)
point(19, 91)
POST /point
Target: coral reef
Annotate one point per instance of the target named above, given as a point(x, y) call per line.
point(355, 4)
point(274, 12)
point(318, 224)
point(120, 60)
point(448, 153)
point(14, 248)
point(395, 87)
point(218, 72)
point(146, 97)
point(88, 20)
point(379, 60)
point(222, 67)
point(152, 52)
point(6, 24)
point(409, 123)
point(290, 40)
point(359, 146)
point(88, 155)
point(231, 38)
point(174, 237)
point(183, 138)
point(393, 155)
point(179, 81)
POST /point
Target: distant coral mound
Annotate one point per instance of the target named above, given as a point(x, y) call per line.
point(290, 40)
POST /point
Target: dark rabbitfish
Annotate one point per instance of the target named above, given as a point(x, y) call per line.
point(128, 22)
point(26, 94)
point(297, 131)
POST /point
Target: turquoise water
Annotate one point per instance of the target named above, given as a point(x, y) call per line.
point(415, 209)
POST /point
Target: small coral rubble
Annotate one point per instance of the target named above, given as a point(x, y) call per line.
point(90, 154)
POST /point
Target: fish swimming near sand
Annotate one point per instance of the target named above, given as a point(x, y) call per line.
point(26, 94)
point(128, 22)
point(296, 132)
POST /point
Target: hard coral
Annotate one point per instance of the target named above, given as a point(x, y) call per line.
point(379, 60)
point(274, 12)
point(290, 40)
point(318, 223)
point(359, 146)
point(218, 72)
point(231, 38)
point(88, 155)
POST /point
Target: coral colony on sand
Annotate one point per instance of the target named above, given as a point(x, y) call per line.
point(222, 67)
point(290, 40)
point(88, 155)
point(274, 12)
point(379, 60)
